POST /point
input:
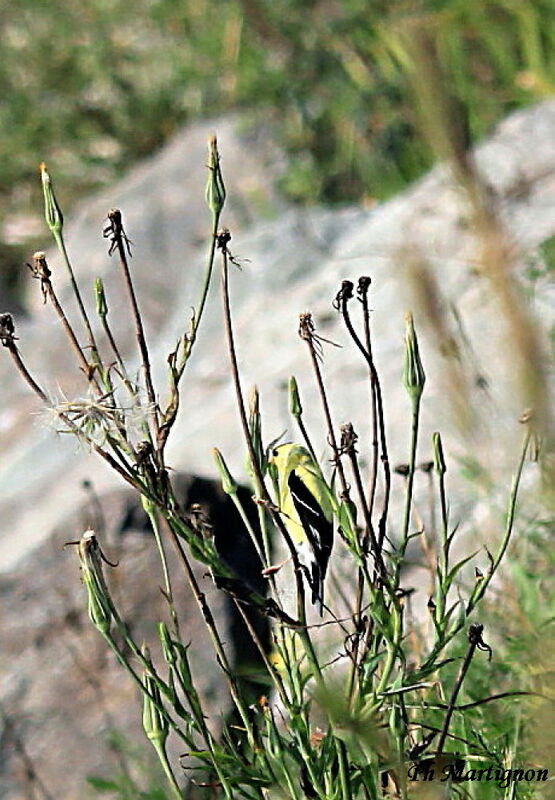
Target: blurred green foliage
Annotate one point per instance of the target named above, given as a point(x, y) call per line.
point(91, 87)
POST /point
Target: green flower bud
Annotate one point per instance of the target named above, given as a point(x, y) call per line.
point(413, 371)
point(52, 211)
point(168, 649)
point(255, 430)
point(98, 602)
point(98, 610)
point(229, 484)
point(100, 298)
point(155, 723)
point(295, 407)
point(148, 506)
point(439, 460)
point(215, 189)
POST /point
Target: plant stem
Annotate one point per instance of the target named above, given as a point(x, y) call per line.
point(306, 332)
point(137, 319)
point(474, 641)
point(255, 468)
point(62, 248)
point(161, 753)
point(212, 629)
point(511, 511)
point(346, 793)
point(483, 585)
point(151, 513)
point(410, 481)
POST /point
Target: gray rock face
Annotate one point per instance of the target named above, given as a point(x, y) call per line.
point(420, 252)
point(297, 260)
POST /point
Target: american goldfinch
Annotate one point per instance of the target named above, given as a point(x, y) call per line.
point(305, 502)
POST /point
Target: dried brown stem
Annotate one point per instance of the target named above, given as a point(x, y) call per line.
point(307, 333)
point(121, 242)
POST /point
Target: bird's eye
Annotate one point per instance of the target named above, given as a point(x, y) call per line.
point(274, 453)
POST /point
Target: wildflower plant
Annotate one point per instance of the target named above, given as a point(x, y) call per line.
point(341, 729)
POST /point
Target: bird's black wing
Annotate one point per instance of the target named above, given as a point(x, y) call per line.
point(319, 532)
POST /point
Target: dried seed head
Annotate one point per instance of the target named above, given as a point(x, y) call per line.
point(363, 286)
point(306, 326)
point(402, 469)
point(114, 215)
point(52, 211)
point(413, 371)
point(343, 295)
point(223, 238)
point(40, 265)
point(526, 416)
point(7, 330)
point(348, 439)
point(40, 271)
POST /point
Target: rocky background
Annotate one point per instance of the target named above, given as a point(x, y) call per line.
point(60, 692)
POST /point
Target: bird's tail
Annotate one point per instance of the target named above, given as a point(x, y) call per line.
point(317, 585)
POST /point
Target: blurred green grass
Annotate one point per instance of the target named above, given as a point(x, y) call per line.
point(92, 87)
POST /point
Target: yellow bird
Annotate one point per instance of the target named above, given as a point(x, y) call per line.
point(306, 504)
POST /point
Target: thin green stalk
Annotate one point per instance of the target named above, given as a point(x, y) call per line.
point(149, 509)
point(162, 755)
point(115, 350)
point(341, 750)
point(475, 598)
point(480, 589)
point(212, 629)
point(199, 308)
point(392, 652)
point(250, 530)
point(125, 664)
point(59, 239)
point(410, 483)
point(443, 559)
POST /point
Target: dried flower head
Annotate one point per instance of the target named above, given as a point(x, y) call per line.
point(7, 330)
